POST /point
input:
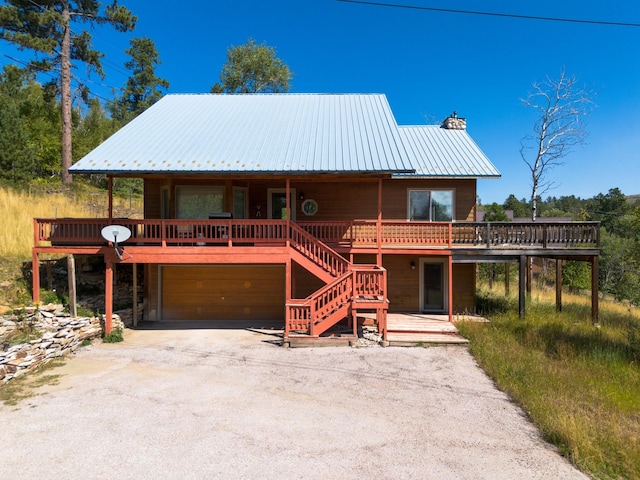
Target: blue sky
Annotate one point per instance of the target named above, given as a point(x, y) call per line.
point(428, 64)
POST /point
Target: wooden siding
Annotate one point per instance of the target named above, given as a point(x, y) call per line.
point(151, 311)
point(464, 288)
point(152, 198)
point(342, 199)
point(244, 292)
point(403, 283)
point(305, 282)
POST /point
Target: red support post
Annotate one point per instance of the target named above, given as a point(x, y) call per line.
point(108, 298)
point(450, 299)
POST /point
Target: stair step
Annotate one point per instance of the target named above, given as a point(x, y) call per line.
point(408, 339)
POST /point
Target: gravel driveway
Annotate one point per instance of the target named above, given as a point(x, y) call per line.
point(230, 404)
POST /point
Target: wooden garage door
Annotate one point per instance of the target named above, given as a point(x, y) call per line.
point(237, 292)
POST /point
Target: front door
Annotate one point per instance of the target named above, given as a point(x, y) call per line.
point(277, 203)
point(433, 292)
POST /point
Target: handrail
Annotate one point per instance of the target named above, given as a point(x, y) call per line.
point(360, 281)
point(542, 234)
point(317, 251)
point(307, 235)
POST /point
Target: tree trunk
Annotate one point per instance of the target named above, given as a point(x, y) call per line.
point(65, 91)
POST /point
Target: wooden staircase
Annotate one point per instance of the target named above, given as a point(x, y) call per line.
point(349, 288)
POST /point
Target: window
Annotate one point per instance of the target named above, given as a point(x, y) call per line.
point(430, 205)
point(198, 202)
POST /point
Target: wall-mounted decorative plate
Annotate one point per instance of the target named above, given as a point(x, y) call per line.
point(309, 207)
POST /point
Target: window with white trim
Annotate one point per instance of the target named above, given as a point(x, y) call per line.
point(430, 205)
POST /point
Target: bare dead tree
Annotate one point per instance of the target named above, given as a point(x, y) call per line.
point(562, 106)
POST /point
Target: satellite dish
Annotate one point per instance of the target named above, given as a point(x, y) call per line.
point(115, 234)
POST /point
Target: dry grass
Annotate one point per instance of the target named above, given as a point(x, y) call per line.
point(577, 381)
point(18, 209)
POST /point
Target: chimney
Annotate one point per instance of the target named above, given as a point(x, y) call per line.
point(452, 122)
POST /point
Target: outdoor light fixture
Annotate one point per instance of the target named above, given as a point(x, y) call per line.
point(301, 195)
point(413, 265)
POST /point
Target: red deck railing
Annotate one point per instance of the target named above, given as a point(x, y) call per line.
point(356, 234)
point(314, 314)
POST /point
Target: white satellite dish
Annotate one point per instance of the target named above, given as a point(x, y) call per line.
point(115, 234)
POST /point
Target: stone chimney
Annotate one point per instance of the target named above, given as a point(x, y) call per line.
point(452, 122)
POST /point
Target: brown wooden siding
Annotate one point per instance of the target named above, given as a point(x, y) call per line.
point(464, 288)
point(151, 288)
point(343, 199)
point(243, 292)
point(305, 282)
point(152, 198)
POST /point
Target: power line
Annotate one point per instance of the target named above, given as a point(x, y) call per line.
point(494, 14)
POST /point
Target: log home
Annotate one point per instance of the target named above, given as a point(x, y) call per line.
point(302, 208)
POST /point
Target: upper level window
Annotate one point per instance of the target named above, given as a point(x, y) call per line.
point(198, 202)
point(430, 205)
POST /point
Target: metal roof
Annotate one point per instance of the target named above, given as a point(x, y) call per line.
point(439, 152)
point(256, 133)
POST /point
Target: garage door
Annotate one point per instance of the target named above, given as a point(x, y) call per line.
point(238, 292)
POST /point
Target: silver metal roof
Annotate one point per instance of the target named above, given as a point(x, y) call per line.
point(439, 152)
point(255, 133)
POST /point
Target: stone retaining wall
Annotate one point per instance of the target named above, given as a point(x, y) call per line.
point(60, 335)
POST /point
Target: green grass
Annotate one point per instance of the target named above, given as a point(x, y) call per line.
point(579, 382)
point(114, 337)
point(25, 386)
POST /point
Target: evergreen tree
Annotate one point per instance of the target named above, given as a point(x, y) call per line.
point(50, 29)
point(143, 88)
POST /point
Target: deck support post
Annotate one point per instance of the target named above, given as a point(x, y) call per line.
point(450, 287)
point(71, 277)
point(524, 260)
point(507, 271)
point(108, 298)
point(594, 289)
point(558, 284)
point(135, 294)
point(35, 276)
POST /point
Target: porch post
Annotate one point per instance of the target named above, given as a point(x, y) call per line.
point(35, 276)
point(450, 299)
point(522, 284)
point(108, 298)
point(558, 284)
point(379, 225)
point(110, 198)
point(594, 289)
point(287, 199)
point(288, 207)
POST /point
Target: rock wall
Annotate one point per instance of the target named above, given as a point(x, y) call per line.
point(59, 334)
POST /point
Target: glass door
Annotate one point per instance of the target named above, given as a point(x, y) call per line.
point(432, 289)
point(277, 203)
